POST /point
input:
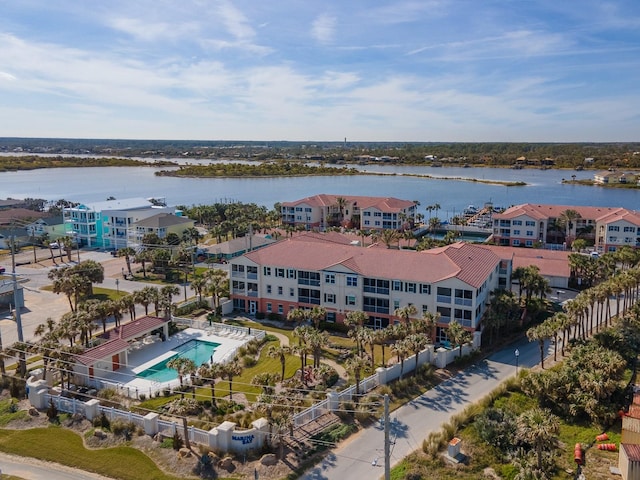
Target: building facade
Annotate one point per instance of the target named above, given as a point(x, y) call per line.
point(530, 225)
point(307, 271)
point(106, 224)
point(368, 213)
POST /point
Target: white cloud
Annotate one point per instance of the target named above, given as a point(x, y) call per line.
point(323, 28)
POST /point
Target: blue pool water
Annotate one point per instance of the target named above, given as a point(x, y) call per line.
point(196, 350)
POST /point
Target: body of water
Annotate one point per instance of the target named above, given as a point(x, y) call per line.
point(97, 184)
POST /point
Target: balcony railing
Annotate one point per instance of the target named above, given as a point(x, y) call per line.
point(443, 299)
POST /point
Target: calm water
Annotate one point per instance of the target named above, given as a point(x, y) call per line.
point(198, 351)
point(96, 184)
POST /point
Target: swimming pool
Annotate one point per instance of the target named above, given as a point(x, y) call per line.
point(197, 350)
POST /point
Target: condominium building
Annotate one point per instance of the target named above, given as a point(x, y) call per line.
point(310, 270)
point(368, 213)
point(105, 224)
point(531, 225)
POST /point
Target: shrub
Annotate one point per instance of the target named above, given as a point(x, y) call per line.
point(249, 361)
point(177, 442)
point(124, 429)
point(167, 443)
point(274, 317)
point(334, 327)
point(260, 315)
point(102, 421)
point(269, 337)
point(107, 393)
point(142, 397)
point(52, 412)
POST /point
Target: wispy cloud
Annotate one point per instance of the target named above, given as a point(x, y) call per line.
point(323, 28)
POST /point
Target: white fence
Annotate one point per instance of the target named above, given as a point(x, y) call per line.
point(225, 437)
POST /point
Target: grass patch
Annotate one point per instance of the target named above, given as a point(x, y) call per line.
point(55, 444)
point(9, 412)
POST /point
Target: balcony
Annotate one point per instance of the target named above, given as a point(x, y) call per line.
point(237, 274)
point(464, 301)
point(443, 299)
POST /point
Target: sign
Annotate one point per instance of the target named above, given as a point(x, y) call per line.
point(245, 439)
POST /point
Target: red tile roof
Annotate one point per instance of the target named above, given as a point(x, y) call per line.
point(472, 264)
point(102, 352)
point(540, 212)
point(632, 451)
point(388, 204)
point(552, 263)
point(139, 326)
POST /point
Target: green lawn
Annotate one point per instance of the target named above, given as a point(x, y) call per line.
point(56, 444)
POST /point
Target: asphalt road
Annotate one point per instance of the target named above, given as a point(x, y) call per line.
point(362, 456)
point(32, 469)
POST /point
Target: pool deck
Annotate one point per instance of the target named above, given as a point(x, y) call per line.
point(147, 355)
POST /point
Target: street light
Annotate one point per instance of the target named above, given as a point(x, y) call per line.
point(517, 354)
point(118, 286)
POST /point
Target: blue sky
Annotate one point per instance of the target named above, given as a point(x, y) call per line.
point(424, 70)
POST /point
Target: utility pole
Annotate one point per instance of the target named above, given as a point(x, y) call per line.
point(16, 305)
point(387, 443)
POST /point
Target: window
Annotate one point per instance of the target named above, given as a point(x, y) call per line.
point(528, 243)
point(410, 287)
point(366, 214)
point(516, 242)
point(309, 295)
point(366, 222)
point(530, 223)
point(396, 305)
point(280, 272)
point(268, 288)
point(629, 229)
point(350, 300)
point(377, 223)
point(376, 285)
point(292, 292)
point(352, 281)
point(444, 295)
point(291, 273)
point(280, 309)
point(279, 290)
point(464, 297)
point(445, 314)
point(377, 214)
point(425, 309)
point(516, 222)
point(614, 228)
point(516, 232)
point(463, 317)
point(269, 308)
point(376, 305)
point(329, 278)
point(237, 268)
point(298, 209)
point(308, 278)
point(396, 285)
point(266, 271)
point(331, 317)
point(613, 239)
point(529, 233)
point(425, 289)
point(307, 209)
point(329, 298)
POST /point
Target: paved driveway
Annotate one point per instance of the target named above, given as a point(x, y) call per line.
point(362, 456)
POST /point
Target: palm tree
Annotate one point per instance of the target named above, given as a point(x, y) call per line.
point(143, 257)
point(184, 366)
point(355, 365)
point(416, 343)
point(229, 371)
point(404, 313)
point(166, 296)
point(198, 283)
point(567, 220)
point(127, 253)
point(540, 333)
point(341, 203)
point(400, 350)
point(458, 335)
point(389, 237)
point(280, 352)
point(217, 286)
point(538, 428)
point(210, 372)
